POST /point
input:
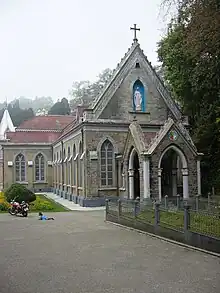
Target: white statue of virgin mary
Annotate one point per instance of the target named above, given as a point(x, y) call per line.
point(137, 100)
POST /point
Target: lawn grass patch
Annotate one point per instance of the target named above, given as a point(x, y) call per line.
point(201, 222)
point(45, 204)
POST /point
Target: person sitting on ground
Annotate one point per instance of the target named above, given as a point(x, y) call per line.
point(43, 217)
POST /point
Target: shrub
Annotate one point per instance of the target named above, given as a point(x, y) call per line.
point(19, 193)
point(4, 205)
point(41, 204)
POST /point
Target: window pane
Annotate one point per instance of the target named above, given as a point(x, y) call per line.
point(110, 182)
point(103, 181)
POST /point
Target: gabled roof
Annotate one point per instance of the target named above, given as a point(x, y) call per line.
point(141, 139)
point(164, 130)
point(147, 142)
point(134, 54)
point(6, 124)
point(49, 122)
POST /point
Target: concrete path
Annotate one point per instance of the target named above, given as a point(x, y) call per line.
point(69, 204)
point(80, 253)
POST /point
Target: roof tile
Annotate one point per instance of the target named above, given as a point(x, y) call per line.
point(32, 137)
point(49, 122)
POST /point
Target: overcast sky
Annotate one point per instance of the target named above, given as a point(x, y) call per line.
point(48, 44)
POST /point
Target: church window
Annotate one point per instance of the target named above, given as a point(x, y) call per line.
point(39, 168)
point(137, 65)
point(138, 97)
point(107, 156)
point(20, 168)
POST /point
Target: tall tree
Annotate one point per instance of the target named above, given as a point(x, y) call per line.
point(190, 56)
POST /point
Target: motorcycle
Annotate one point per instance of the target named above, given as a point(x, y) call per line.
point(17, 208)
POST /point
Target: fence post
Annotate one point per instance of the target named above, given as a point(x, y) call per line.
point(165, 202)
point(157, 213)
point(136, 208)
point(178, 201)
point(209, 198)
point(197, 202)
point(106, 208)
point(119, 209)
point(186, 217)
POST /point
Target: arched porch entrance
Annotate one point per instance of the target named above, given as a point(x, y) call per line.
point(173, 173)
point(134, 175)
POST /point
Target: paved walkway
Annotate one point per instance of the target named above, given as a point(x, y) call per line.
point(69, 204)
point(80, 253)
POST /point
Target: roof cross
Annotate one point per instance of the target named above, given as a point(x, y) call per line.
point(135, 29)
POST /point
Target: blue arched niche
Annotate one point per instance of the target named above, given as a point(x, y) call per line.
point(138, 97)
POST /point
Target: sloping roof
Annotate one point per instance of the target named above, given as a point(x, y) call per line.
point(32, 136)
point(6, 124)
point(49, 122)
point(164, 130)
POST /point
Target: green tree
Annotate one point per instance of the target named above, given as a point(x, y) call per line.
point(84, 92)
point(190, 56)
point(60, 108)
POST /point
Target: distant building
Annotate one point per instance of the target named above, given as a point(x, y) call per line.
point(41, 112)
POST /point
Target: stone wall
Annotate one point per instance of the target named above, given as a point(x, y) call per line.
point(93, 141)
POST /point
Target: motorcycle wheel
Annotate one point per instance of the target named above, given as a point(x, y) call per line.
point(25, 214)
point(12, 212)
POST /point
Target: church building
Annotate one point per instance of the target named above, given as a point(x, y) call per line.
point(131, 142)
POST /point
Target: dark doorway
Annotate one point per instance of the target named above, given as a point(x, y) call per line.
point(169, 165)
point(136, 167)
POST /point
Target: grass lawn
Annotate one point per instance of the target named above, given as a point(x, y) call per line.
point(41, 204)
point(45, 204)
point(199, 222)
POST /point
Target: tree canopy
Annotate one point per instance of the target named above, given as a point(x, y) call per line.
point(60, 108)
point(84, 92)
point(17, 114)
point(190, 56)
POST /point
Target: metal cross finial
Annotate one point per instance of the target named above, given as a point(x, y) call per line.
point(135, 29)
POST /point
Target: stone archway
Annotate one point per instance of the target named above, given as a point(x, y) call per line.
point(134, 175)
point(172, 168)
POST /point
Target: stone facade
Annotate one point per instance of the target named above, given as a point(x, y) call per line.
point(119, 147)
point(30, 154)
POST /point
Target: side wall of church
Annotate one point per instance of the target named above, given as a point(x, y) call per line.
point(94, 140)
point(191, 161)
point(121, 104)
point(65, 171)
point(30, 154)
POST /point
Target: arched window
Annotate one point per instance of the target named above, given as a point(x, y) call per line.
point(107, 159)
point(39, 168)
point(138, 97)
point(74, 166)
point(20, 168)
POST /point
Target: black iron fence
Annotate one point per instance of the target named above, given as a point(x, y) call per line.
point(198, 203)
point(185, 224)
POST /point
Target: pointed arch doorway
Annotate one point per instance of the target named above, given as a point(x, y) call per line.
point(134, 175)
point(173, 164)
